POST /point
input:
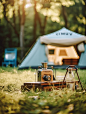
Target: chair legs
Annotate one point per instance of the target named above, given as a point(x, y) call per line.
point(9, 63)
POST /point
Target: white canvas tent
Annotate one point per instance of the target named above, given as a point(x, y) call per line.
point(61, 38)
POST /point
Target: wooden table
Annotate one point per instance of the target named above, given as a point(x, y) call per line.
point(46, 85)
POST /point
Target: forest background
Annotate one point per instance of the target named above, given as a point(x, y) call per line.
point(23, 21)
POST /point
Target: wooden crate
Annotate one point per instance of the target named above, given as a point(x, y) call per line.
point(70, 61)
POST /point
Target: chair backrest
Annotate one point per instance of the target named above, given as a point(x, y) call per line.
point(10, 54)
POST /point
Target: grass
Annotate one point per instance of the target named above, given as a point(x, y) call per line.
point(13, 101)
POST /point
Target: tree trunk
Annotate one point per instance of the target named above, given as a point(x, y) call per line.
point(65, 16)
point(19, 15)
point(85, 16)
point(22, 40)
point(42, 27)
point(35, 19)
point(22, 30)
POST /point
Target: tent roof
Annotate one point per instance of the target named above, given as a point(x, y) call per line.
point(63, 37)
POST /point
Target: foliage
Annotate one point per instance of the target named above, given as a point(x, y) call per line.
point(12, 100)
point(77, 19)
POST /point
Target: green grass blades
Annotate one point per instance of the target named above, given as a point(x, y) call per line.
point(13, 101)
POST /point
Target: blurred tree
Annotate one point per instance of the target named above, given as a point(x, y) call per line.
point(76, 17)
point(42, 20)
point(3, 37)
point(6, 4)
point(22, 29)
point(20, 33)
point(85, 15)
point(35, 21)
point(65, 16)
point(22, 25)
point(56, 10)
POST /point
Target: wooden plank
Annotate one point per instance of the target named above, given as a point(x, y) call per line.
point(32, 83)
point(52, 83)
point(46, 85)
point(53, 87)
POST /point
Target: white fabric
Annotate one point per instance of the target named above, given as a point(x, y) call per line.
point(62, 42)
point(63, 37)
point(81, 47)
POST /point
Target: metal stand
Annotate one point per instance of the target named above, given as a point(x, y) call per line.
point(74, 69)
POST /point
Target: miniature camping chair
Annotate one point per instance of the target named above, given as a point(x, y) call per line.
point(10, 57)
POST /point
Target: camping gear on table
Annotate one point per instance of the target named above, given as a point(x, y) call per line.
point(45, 80)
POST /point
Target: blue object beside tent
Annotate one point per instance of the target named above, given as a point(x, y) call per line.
point(10, 57)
